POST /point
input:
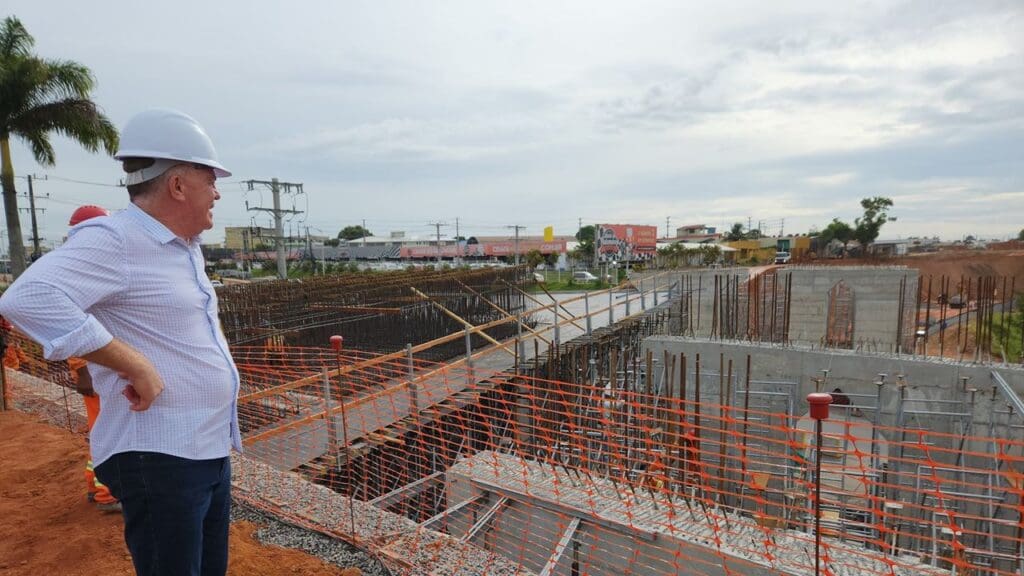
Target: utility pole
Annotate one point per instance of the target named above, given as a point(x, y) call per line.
point(246, 256)
point(458, 244)
point(36, 252)
point(437, 226)
point(276, 187)
point(667, 220)
point(309, 251)
point(35, 226)
point(364, 232)
point(517, 228)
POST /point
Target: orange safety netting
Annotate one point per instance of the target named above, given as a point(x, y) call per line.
point(462, 469)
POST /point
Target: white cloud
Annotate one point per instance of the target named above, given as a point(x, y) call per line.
point(534, 111)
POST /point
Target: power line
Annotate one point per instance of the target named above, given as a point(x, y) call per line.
point(86, 182)
point(276, 188)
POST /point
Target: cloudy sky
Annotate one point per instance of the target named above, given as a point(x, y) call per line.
point(544, 113)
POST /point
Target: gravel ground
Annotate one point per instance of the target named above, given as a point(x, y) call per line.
point(275, 532)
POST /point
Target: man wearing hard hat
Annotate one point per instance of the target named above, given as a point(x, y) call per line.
point(129, 294)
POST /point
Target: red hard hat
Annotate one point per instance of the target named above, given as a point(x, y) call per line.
point(83, 213)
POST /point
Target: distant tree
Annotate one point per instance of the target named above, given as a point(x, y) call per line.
point(753, 234)
point(585, 236)
point(710, 254)
point(472, 240)
point(836, 230)
point(735, 233)
point(353, 232)
point(669, 255)
point(866, 227)
point(551, 259)
point(1020, 236)
point(332, 242)
point(534, 258)
point(40, 97)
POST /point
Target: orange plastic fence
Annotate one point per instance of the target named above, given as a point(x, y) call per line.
point(455, 470)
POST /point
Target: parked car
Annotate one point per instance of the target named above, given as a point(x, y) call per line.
point(782, 257)
point(583, 276)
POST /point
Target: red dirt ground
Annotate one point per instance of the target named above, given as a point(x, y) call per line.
point(953, 263)
point(48, 527)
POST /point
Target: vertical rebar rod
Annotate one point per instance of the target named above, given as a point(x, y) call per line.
point(927, 316)
point(817, 498)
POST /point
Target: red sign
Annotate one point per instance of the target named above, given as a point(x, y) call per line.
point(614, 238)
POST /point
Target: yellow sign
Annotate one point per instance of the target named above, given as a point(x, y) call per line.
point(549, 234)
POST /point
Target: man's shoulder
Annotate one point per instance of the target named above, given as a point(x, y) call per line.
point(117, 225)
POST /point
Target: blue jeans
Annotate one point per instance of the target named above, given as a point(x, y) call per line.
point(176, 511)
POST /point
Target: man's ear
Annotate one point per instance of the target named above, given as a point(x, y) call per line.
point(174, 185)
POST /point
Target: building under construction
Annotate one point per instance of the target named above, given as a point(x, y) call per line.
point(470, 423)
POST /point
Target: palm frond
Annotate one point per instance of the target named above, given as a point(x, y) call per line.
point(59, 79)
point(14, 39)
point(39, 143)
point(76, 118)
point(18, 78)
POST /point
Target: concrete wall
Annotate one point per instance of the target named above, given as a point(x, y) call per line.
point(928, 380)
point(876, 302)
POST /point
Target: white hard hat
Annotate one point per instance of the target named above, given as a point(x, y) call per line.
point(165, 134)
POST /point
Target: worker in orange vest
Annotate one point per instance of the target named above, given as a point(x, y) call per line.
point(97, 493)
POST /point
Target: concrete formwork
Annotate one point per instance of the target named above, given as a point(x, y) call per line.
point(928, 381)
point(797, 304)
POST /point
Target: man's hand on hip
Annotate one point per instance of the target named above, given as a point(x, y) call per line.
point(144, 382)
point(143, 386)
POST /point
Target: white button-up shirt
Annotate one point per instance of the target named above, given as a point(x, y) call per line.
point(128, 277)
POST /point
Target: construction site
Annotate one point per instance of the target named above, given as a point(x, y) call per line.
point(468, 422)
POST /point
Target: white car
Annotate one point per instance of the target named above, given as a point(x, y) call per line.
point(583, 276)
point(782, 257)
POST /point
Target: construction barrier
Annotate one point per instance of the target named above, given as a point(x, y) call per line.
point(460, 469)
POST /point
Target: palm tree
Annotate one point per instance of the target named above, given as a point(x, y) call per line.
point(37, 98)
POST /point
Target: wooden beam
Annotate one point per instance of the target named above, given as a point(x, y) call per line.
point(464, 322)
point(503, 311)
point(369, 363)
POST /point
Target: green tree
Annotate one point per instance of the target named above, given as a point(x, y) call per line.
point(710, 254)
point(585, 250)
point(39, 97)
point(534, 258)
point(353, 232)
point(735, 233)
point(836, 230)
point(1020, 235)
point(866, 227)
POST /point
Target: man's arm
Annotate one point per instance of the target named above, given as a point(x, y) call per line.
point(144, 382)
point(49, 302)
